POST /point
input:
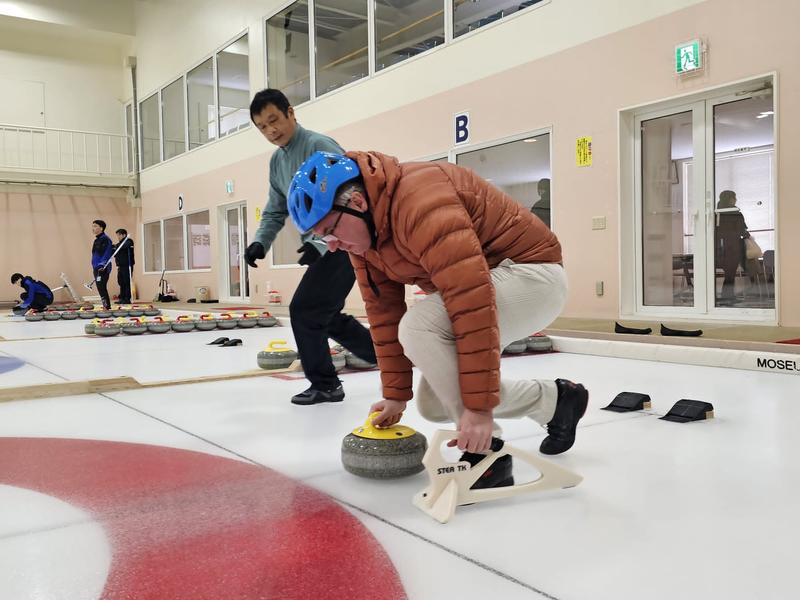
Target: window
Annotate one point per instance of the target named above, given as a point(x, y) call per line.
point(174, 247)
point(149, 133)
point(173, 119)
point(469, 16)
point(406, 29)
point(288, 67)
point(521, 169)
point(202, 108)
point(152, 247)
point(198, 232)
point(233, 79)
point(341, 42)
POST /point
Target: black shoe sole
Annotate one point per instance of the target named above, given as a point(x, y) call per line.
point(312, 402)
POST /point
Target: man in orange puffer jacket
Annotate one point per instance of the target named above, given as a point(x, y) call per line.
point(493, 274)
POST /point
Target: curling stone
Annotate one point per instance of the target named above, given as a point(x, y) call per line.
point(159, 325)
point(248, 320)
point(339, 360)
point(108, 329)
point(91, 325)
point(356, 363)
point(183, 323)
point(69, 315)
point(539, 342)
point(34, 317)
point(226, 321)
point(266, 320)
point(103, 314)
point(517, 347)
point(206, 322)
point(119, 312)
point(134, 327)
point(151, 312)
point(86, 313)
point(52, 315)
point(276, 356)
point(135, 312)
point(384, 453)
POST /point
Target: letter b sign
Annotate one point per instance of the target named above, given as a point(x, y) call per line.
point(462, 128)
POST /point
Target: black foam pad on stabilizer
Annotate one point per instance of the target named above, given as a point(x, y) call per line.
point(629, 402)
point(681, 332)
point(685, 411)
point(622, 329)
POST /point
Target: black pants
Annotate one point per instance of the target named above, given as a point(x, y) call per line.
point(101, 281)
point(124, 281)
point(39, 302)
point(316, 315)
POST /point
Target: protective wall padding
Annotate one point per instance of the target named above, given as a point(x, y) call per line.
point(629, 402)
point(770, 362)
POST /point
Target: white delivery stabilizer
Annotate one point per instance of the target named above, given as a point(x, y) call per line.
point(450, 482)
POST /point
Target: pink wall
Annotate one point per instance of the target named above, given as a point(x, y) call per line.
point(578, 92)
point(44, 232)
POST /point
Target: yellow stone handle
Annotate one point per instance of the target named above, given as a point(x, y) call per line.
point(369, 431)
point(276, 346)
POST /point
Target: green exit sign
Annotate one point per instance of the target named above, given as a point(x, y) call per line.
point(688, 57)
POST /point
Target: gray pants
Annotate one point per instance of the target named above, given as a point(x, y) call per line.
point(529, 297)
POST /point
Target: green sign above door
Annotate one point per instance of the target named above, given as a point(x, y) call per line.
point(688, 57)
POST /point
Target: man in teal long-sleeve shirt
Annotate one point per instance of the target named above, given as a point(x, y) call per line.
point(316, 307)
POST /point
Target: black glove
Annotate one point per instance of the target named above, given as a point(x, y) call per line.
point(254, 251)
point(309, 253)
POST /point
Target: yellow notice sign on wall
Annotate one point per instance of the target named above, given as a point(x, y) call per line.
point(258, 214)
point(583, 152)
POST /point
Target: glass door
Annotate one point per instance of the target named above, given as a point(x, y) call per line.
point(704, 181)
point(236, 280)
point(743, 222)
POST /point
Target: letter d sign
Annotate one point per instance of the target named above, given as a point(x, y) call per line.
point(462, 128)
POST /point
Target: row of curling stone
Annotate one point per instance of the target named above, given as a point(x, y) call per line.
point(93, 313)
point(181, 324)
point(277, 356)
point(538, 342)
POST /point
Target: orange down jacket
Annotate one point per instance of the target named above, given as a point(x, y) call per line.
point(443, 228)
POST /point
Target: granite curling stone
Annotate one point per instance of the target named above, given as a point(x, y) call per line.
point(383, 453)
point(52, 315)
point(108, 329)
point(86, 313)
point(91, 325)
point(206, 322)
point(276, 356)
point(149, 311)
point(356, 363)
point(135, 311)
point(248, 320)
point(265, 319)
point(159, 325)
point(339, 360)
point(539, 342)
point(517, 347)
point(183, 324)
point(226, 321)
point(69, 315)
point(34, 316)
point(119, 312)
point(135, 326)
point(103, 314)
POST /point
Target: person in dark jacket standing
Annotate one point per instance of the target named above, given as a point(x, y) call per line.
point(125, 261)
point(102, 250)
point(37, 296)
point(316, 308)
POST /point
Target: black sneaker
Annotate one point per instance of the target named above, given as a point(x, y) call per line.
point(570, 407)
point(498, 474)
point(316, 396)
